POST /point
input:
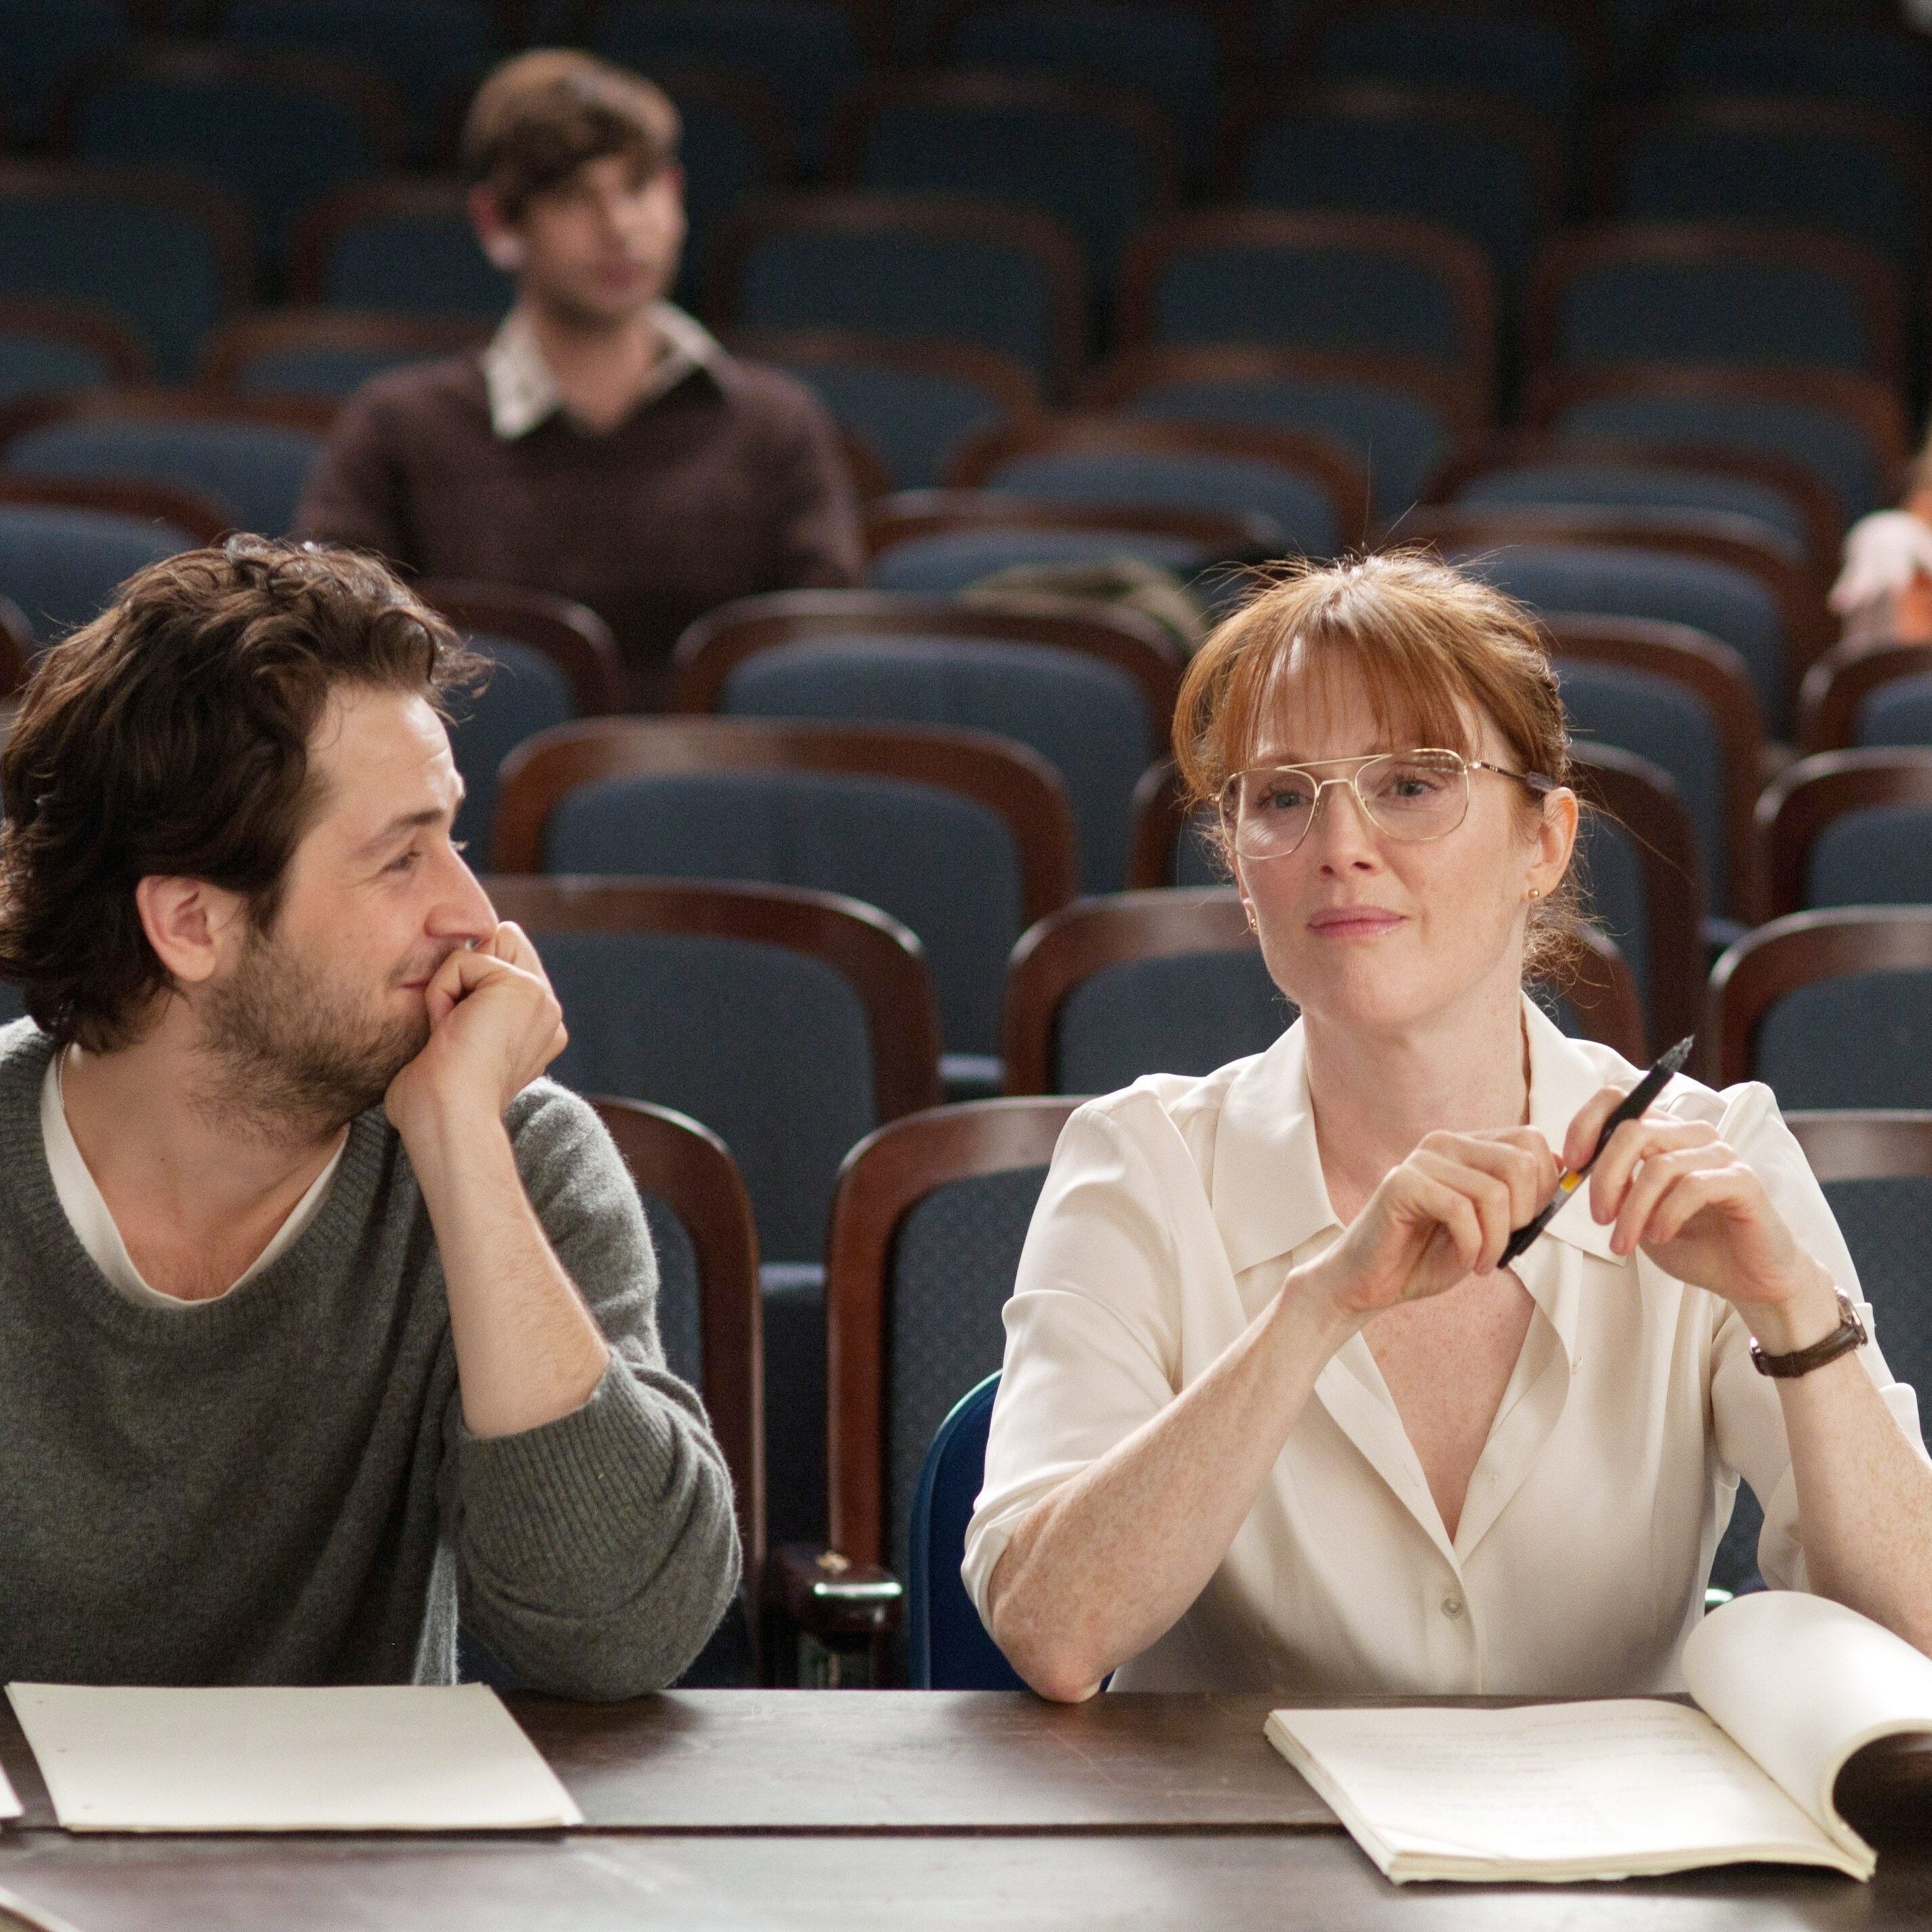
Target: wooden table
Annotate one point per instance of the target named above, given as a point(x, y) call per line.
point(912, 1811)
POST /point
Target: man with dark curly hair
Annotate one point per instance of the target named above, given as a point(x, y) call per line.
point(328, 1319)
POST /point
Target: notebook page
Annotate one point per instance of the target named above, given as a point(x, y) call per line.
point(1581, 1783)
point(1802, 1683)
point(354, 1758)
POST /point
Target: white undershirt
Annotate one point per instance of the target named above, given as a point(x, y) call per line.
point(81, 1200)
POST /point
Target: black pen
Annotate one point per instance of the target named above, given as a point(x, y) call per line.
point(1632, 1104)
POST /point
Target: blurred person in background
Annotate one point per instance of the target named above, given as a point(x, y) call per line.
point(1885, 588)
point(604, 446)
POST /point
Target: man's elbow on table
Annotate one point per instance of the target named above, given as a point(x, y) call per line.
point(641, 1645)
point(648, 1590)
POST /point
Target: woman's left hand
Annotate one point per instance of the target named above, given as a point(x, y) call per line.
point(1678, 1191)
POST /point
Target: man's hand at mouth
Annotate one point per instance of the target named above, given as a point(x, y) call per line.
point(495, 1025)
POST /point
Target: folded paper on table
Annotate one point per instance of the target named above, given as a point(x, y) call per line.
point(1789, 1687)
point(16, 1911)
point(352, 1758)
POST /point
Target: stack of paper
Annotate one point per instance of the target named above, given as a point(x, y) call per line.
point(357, 1758)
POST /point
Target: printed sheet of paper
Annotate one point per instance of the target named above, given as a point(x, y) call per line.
point(356, 1758)
point(1582, 1786)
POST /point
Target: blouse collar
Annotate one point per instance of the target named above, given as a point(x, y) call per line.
point(522, 394)
point(1268, 1192)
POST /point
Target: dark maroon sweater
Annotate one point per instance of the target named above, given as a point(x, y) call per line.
point(730, 484)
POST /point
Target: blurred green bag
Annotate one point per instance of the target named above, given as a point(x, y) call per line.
point(1130, 583)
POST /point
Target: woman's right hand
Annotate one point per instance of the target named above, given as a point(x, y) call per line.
point(1445, 1213)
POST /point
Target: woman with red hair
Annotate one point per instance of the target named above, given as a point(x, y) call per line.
point(1273, 1416)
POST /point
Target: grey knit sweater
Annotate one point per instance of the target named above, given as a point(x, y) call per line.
point(277, 1487)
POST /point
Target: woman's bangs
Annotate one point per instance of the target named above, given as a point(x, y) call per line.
point(1413, 695)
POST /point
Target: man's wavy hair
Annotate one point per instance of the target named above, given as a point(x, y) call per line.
point(170, 738)
point(542, 115)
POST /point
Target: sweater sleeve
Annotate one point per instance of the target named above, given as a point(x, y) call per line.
point(356, 494)
point(597, 1551)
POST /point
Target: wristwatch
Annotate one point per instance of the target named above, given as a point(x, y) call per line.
point(1850, 1334)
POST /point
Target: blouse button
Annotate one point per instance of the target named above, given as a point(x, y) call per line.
point(1452, 1606)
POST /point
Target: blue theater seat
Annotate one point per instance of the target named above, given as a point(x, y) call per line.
point(61, 566)
point(167, 256)
point(807, 52)
point(949, 1648)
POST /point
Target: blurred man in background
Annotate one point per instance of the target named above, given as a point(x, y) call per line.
point(604, 446)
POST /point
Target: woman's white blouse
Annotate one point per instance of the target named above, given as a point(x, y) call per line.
point(1172, 1212)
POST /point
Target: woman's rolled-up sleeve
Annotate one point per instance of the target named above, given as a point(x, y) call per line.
point(1092, 1326)
point(1747, 1418)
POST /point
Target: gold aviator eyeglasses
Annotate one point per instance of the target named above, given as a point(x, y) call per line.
point(1412, 796)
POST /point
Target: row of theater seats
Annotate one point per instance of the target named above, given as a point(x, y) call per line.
point(1709, 627)
point(1069, 801)
point(1712, 563)
point(1380, 229)
point(911, 402)
point(1102, 160)
point(913, 407)
point(1196, 63)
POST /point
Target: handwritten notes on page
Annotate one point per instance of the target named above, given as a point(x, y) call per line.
point(355, 1758)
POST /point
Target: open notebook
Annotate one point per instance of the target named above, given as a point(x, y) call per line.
point(1788, 1687)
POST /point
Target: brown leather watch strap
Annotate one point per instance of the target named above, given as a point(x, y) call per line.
point(1850, 1334)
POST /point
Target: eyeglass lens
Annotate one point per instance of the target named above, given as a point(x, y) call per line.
point(1408, 795)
